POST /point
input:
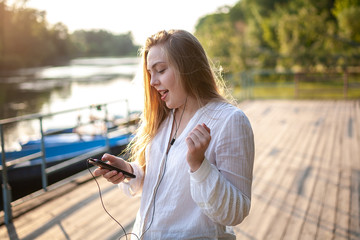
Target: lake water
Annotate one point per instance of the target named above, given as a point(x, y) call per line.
point(52, 89)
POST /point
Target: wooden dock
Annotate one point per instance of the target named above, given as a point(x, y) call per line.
point(306, 182)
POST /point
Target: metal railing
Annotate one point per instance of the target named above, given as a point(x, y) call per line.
point(6, 189)
point(266, 84)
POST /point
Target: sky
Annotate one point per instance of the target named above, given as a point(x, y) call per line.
point(142, 17)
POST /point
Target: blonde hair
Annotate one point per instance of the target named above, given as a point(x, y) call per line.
point(187, 56)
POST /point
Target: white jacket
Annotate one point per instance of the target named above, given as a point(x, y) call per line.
point(203, 204)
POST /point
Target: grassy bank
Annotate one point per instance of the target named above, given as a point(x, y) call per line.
point(286, 86)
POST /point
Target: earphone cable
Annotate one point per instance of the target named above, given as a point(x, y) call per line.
point(162, 176)
point(103, 205)
point(178, 126)
point(153, 212)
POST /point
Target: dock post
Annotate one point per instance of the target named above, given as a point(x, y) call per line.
point(296, 84)
point(43, 157)
point(128, 117)
point(5, 186)
point(346, 83)
point(107, 141)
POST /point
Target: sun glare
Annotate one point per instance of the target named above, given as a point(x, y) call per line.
point(141, 17)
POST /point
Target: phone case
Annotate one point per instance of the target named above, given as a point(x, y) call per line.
point(102, 164)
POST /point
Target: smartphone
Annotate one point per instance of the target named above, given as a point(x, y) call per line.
point(104, 165)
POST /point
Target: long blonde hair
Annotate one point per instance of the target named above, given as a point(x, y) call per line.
point(188, 57)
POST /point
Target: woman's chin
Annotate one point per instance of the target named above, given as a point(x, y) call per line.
point(170, 105)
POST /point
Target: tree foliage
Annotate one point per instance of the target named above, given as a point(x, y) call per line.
point(102, 43)
point(28, 40)
point(296, 34)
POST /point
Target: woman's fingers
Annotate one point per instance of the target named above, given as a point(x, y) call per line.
point(206, 127)
point(190, 143)
point(100, 171)
point(113, 160)
point(114, 177)
point(199, 137)
point(197, 141)
point(111, 176)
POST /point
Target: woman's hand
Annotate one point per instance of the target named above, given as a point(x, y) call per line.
point(113, 176)
point(197, 141)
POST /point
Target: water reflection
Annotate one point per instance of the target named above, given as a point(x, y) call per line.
point(83, 82)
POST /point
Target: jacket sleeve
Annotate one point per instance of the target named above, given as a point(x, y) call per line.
point(133, 187)
point(223, 189)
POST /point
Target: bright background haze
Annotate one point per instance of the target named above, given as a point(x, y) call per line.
point(141, 17)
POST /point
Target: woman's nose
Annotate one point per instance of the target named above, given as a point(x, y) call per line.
point(154, 81)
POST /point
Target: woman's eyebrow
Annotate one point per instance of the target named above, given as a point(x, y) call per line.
point(155, 64)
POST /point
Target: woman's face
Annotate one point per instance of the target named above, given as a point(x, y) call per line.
point(163, 78)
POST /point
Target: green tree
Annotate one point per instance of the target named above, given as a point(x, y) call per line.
point(301, 37)
point(27, 40)
point(347, 14)
point(213, 31)
point(299, 34)
point(60, 38)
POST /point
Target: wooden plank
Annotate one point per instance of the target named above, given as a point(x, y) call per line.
point(272, 178)
point(295, 163)
point(74, 214)
point(320, 162)
point(306, 174)
point(326, 211)
point(354, 231)
point(302, 205)
point(112, 201)
point(49, 215)
point(343, 200)
point(277, 230)
point(327, 219)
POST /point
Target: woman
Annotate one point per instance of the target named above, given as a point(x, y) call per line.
point(193, 153)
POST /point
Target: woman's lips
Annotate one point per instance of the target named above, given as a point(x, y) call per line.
point(164, 94)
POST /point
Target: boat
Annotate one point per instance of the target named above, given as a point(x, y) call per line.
point(25, 177)
point(59, 148)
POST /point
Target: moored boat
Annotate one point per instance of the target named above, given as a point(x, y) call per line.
point(26, 177)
